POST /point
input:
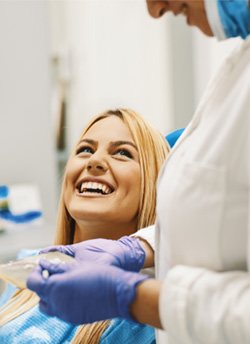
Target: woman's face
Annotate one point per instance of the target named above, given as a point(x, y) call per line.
point(102, 188)
point(193, 10)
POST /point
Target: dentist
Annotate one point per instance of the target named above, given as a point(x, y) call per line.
point(201, 293)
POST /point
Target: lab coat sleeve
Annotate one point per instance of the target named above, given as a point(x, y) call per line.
point(202, 306)
point(147, 234)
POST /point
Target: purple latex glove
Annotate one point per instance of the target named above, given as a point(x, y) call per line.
point(84, 293)
point(125, 253)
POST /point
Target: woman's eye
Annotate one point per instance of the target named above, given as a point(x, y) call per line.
point(124, 152)
point(84, 149)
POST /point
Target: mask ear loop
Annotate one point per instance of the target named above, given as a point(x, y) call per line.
point(214, 20)
point(235, 17)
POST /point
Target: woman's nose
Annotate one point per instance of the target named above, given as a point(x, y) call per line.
point(157, 8)
point(97, 165)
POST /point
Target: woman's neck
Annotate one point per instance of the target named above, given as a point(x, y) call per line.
point(109, 231)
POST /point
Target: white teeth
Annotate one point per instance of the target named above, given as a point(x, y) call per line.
point(102, 187)
point(82, 187)
point(105, 189)
point(94, 186)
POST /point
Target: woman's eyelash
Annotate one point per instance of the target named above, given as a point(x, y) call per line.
point(90, 150)
point(84, 149)
point(124, 152)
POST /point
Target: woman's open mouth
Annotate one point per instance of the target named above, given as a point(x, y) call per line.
point(94, 188)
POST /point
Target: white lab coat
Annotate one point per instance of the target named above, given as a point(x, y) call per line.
point(203, 228)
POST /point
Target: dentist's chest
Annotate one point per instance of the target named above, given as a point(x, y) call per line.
point(202, 202)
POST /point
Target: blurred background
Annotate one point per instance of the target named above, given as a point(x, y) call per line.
point(61, 62)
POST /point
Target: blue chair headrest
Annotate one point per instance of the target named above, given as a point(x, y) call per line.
point(173, 136)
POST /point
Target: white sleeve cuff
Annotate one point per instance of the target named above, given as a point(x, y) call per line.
point(147, 234)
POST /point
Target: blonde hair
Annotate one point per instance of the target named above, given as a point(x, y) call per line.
point(152, 150)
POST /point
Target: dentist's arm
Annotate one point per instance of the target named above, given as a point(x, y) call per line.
point(193, 304)
point(149, 253)
point(197, 305)
point(145, 307)
point(146, 238)
point(85, 293)
point(130, 253)
point(203, 306)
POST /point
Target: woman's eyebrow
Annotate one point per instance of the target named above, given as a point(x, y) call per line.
point(92, 142)
point(112, 143)
point(120, 143)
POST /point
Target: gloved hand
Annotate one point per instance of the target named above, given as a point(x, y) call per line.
point(125, 253)
point(84, 293)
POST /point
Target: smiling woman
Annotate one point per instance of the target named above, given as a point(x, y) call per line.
point(102, 184)
point(108, 191)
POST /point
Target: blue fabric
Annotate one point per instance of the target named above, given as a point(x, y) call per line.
point(235, 17)
point(36, 327)
point(173, 136)
point(4, 191)
point(127, 332)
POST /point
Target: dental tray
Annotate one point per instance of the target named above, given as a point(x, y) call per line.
point(17, 272)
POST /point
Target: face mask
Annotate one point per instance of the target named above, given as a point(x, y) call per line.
point(228, 18)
